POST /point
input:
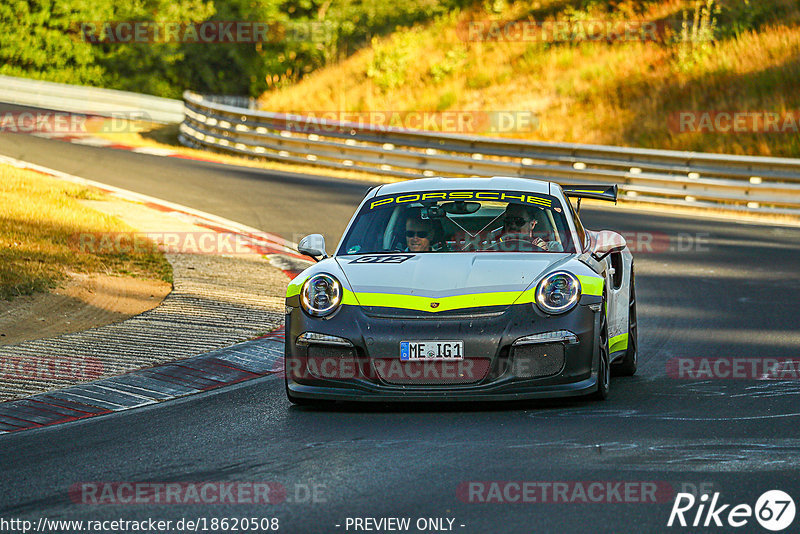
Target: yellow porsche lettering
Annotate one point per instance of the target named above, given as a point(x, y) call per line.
point(381, 202)
point(537, 200)
point(504, 196)
point(462, 195)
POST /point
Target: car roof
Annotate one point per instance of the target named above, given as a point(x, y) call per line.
point(496, 183)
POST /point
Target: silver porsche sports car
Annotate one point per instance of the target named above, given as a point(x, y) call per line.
point(446, 289)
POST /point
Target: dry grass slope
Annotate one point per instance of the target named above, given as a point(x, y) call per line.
point(39, 220)
point(745, 56)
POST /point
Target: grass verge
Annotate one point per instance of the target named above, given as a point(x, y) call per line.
point(39, 219)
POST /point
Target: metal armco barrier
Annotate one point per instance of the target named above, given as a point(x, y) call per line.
point(89, 100)
point(755, 184)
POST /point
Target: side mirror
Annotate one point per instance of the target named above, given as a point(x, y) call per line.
point(313, 245)
point(606, 242)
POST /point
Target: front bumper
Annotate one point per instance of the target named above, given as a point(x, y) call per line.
point(490, 370)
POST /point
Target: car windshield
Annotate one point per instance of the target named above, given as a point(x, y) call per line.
point(459, 221)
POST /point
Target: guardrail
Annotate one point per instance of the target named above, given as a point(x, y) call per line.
point(230, 124)
point(756, 184)
point(89, 100)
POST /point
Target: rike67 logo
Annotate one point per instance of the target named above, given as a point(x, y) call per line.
point(774, 511)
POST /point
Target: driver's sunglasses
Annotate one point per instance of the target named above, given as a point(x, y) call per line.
point(516, 222)
point(421, 234)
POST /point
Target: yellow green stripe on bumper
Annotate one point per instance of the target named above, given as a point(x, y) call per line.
point(419, 303)
point(619, 342)
point(295, 285)
point(592, 285)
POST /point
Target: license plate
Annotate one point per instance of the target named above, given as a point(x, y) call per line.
point(431, 350)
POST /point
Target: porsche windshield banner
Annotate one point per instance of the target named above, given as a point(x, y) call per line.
point(496, 196)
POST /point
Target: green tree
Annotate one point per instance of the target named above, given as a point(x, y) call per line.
point(38, 39)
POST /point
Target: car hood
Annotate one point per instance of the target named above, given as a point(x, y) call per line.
point(435, 276)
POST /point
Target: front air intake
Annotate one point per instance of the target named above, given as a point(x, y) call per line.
point(331, 362)
point(537, 360)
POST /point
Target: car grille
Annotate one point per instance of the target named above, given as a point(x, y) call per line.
point(537, 360)
point(468, 371)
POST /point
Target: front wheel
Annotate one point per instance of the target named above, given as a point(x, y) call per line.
point(603, 365)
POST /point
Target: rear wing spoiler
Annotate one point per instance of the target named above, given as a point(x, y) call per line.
point(596, 192)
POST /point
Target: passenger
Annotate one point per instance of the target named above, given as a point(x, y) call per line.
point(518, 224)
point(528, 223)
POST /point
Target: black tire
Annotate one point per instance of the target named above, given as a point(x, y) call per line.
point(603, 365)
point(627, 365)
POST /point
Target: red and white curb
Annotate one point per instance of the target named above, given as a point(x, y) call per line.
point(280, 252)
point(223, 367)
point(102, 142)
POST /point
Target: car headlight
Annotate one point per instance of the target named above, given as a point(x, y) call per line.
point(558, 292)
point(321, 295)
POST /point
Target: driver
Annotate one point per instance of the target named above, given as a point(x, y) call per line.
point(418, 234)
point(422, 235)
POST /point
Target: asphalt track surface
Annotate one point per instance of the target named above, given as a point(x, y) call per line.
point(732, 293)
